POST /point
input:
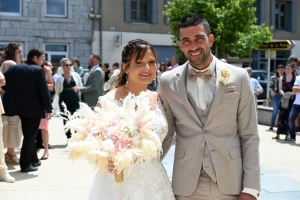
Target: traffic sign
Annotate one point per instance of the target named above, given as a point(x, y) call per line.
point(278, 45)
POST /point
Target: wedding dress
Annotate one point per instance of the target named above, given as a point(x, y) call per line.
point(145, 181)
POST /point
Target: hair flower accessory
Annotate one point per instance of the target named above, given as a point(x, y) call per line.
point(225, 75)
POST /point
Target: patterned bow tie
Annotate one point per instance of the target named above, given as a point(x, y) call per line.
point(204, 74)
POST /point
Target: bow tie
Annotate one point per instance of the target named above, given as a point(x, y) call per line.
point(206, 74)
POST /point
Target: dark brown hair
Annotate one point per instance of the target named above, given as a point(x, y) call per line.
point(135, 49)
point(77, 61)
point(9, 51)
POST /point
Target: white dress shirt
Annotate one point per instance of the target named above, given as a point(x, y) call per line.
point(205, 89)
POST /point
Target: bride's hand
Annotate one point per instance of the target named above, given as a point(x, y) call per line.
point(111, 167)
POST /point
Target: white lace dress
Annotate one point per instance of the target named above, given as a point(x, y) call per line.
point(147, 181)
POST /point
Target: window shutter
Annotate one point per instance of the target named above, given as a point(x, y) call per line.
point(127, 10)
point(153, 11)
point(260, 11)
point(273, 12)
point(291, 16)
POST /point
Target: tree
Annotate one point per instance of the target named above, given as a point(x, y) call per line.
point(232, 22)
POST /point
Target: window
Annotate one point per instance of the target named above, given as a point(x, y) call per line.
point(280, 15)
point(141, 11)
point(284, 15)
point(11, 7)
point(55, 52)
point(56, 8)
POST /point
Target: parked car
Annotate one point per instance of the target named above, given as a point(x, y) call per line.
point(261, 76)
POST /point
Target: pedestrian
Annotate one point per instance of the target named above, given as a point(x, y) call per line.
point(294, 61)
point(20, 96)
point(64, 89)
point(275, 95)
point(12, 131)
point(210, 104)
point(77, 67)
point(4, 175)
point(162, 68)
point(286, 83)
point(105, 68)
point(94, 85)
point(1, 54)
point(294, 111)
point(174, 62)
point(111, 83)
point(257, 89)
point(44, 123)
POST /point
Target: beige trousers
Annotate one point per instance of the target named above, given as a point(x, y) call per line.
point(3, 167)
point(207, 190)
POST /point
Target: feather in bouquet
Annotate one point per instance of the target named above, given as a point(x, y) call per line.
point(123, 133)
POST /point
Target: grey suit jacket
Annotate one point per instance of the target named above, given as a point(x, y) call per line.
point(94, 87)
point(230, 132)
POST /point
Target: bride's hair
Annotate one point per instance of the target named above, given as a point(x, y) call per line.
point(135, 49)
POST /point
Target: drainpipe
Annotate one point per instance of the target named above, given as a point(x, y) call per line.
point(100, 29)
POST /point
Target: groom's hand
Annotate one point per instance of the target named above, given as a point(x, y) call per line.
point(246, 196)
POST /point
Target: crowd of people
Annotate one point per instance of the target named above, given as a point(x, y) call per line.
point(285, 93)
point(206, 101)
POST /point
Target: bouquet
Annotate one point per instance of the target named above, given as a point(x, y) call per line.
point(122, 133)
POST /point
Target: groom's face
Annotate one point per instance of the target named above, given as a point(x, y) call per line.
point(195, 44)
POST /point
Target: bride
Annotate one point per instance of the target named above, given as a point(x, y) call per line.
point(145, 180)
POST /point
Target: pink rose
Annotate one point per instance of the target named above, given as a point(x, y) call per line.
point(121, 145)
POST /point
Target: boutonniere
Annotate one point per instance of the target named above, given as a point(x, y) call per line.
point(225, 75)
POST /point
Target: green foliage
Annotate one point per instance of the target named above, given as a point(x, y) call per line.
point(232, 22)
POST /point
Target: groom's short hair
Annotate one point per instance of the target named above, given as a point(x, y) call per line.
point(193, 19)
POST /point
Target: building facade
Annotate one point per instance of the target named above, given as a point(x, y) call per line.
point(283, 16)
point(78, 28)
point(62, 28)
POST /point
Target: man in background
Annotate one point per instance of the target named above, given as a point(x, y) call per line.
point(94, 85)
point(255, 85)
point(174, 62)
point(26, 95)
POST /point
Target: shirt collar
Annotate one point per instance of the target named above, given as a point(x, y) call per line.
point(211, 67)
point(94, 67)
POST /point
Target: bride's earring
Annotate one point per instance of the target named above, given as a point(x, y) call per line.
point(126, 84)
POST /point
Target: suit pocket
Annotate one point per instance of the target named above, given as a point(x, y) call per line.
point(235, 152)
point(179, 153)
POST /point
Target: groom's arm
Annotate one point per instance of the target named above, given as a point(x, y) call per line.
point(248, 132)
point(169, 139)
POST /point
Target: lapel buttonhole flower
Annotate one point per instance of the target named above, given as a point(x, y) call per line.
point(225, 75)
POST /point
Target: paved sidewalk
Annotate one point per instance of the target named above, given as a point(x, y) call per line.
point(61, 179)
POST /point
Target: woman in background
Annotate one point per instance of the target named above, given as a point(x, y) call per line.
point(286, 83)
point(44, 124)
point(76, 67)
point(12, 131)
point(64, 88)
point(274, 90)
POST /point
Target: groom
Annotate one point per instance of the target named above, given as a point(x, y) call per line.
point(210, 105)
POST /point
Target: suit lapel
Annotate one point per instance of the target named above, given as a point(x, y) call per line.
point(90, 76)
point(219, 92)
point(180, 84)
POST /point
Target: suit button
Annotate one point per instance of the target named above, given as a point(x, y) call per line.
point(205, 131)
point(201, 151)
point(203, 115)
